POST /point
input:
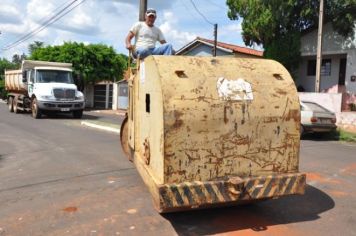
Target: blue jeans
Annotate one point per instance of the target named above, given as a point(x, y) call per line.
point(165, 49)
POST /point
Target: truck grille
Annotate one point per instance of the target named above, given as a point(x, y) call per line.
point(64, 93)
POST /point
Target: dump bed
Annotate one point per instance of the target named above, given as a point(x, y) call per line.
point(13, 81)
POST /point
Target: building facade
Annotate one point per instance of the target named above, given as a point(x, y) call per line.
point(204, 47)
point(338, 69)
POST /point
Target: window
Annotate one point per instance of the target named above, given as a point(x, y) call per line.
point(325, 69)
point(315, 107)
point(54, 76)
point(32, 76)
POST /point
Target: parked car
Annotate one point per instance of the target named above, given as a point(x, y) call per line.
point(316, 118)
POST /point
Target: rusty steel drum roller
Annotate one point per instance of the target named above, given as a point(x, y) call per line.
point(210, 131)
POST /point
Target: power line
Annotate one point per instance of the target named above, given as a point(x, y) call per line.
point(191, 13)
point(201, 14)
point(217, 5)
point(45, 24)
point(58, 7)
point(68, 8)
point(37, 30)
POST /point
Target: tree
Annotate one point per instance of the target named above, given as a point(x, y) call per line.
point(278, 24)
point(4, 64)
point(17, 59)
point(92, 63)
point(35, 45)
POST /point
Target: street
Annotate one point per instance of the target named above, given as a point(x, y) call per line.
point(59, 177)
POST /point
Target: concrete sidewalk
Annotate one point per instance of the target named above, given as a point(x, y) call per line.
point(107, 120)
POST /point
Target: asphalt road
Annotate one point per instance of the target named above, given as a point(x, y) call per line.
point(58, 177)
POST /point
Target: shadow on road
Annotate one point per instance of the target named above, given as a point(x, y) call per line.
point(68, 116)
point(62, 116)
point(333, 136)
point(257, 217)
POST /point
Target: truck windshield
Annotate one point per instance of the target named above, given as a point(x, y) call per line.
point(54, 76)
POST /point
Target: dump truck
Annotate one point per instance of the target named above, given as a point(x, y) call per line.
point(43, 87)
point(212, 131)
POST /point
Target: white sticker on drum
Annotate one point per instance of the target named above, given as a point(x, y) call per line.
point(142, 72)
point(234, 89)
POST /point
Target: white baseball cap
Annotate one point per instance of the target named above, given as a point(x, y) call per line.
point(151, 12)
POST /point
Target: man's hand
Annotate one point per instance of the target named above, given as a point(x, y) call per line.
point(128, 41)
point(129, 46)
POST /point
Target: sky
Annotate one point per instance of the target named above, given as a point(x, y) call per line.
point(108, 22)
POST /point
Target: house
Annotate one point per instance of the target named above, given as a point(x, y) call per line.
point(99, 96)
point(338, 69)
point(204, 47)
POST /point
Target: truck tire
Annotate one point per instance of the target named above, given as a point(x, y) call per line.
point(78, 114)
point(10, 103)
point(15, 106)
point(36, 112)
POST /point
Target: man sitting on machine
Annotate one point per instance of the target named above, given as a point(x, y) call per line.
point(146, 35)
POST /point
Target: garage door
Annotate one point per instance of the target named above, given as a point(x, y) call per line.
point(100, 97)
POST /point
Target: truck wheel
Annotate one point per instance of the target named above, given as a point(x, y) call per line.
point(36, 112)
point(124, 139)
point(10, 103)
point(15, 106)
point(78, 114)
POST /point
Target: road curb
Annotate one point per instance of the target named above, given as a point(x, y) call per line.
point(101, 127)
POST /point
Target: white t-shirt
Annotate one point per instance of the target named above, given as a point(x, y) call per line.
point(145, 36)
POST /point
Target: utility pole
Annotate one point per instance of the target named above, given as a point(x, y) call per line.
point(319, 49)
point(215, 39)
point(143, 9)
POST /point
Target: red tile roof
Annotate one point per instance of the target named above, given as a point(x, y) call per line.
point(233, 47)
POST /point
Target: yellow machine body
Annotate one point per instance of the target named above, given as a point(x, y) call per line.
point(206, 131)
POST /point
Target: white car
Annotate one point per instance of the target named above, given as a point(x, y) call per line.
point(316, 119)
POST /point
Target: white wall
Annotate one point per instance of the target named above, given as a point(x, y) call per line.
point(346, 120)
point(350, 70)
point(115, 91)
point(331, 101)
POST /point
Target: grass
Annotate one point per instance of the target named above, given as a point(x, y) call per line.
point(346, 136)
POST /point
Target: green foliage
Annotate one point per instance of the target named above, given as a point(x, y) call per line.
point(270, 22)
point(5, 64)
point(8, 65)
point(35, 45)
point(17, 59)
point(347, 136)
point(93, 62)
point(2, 89)
point(285, 49)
